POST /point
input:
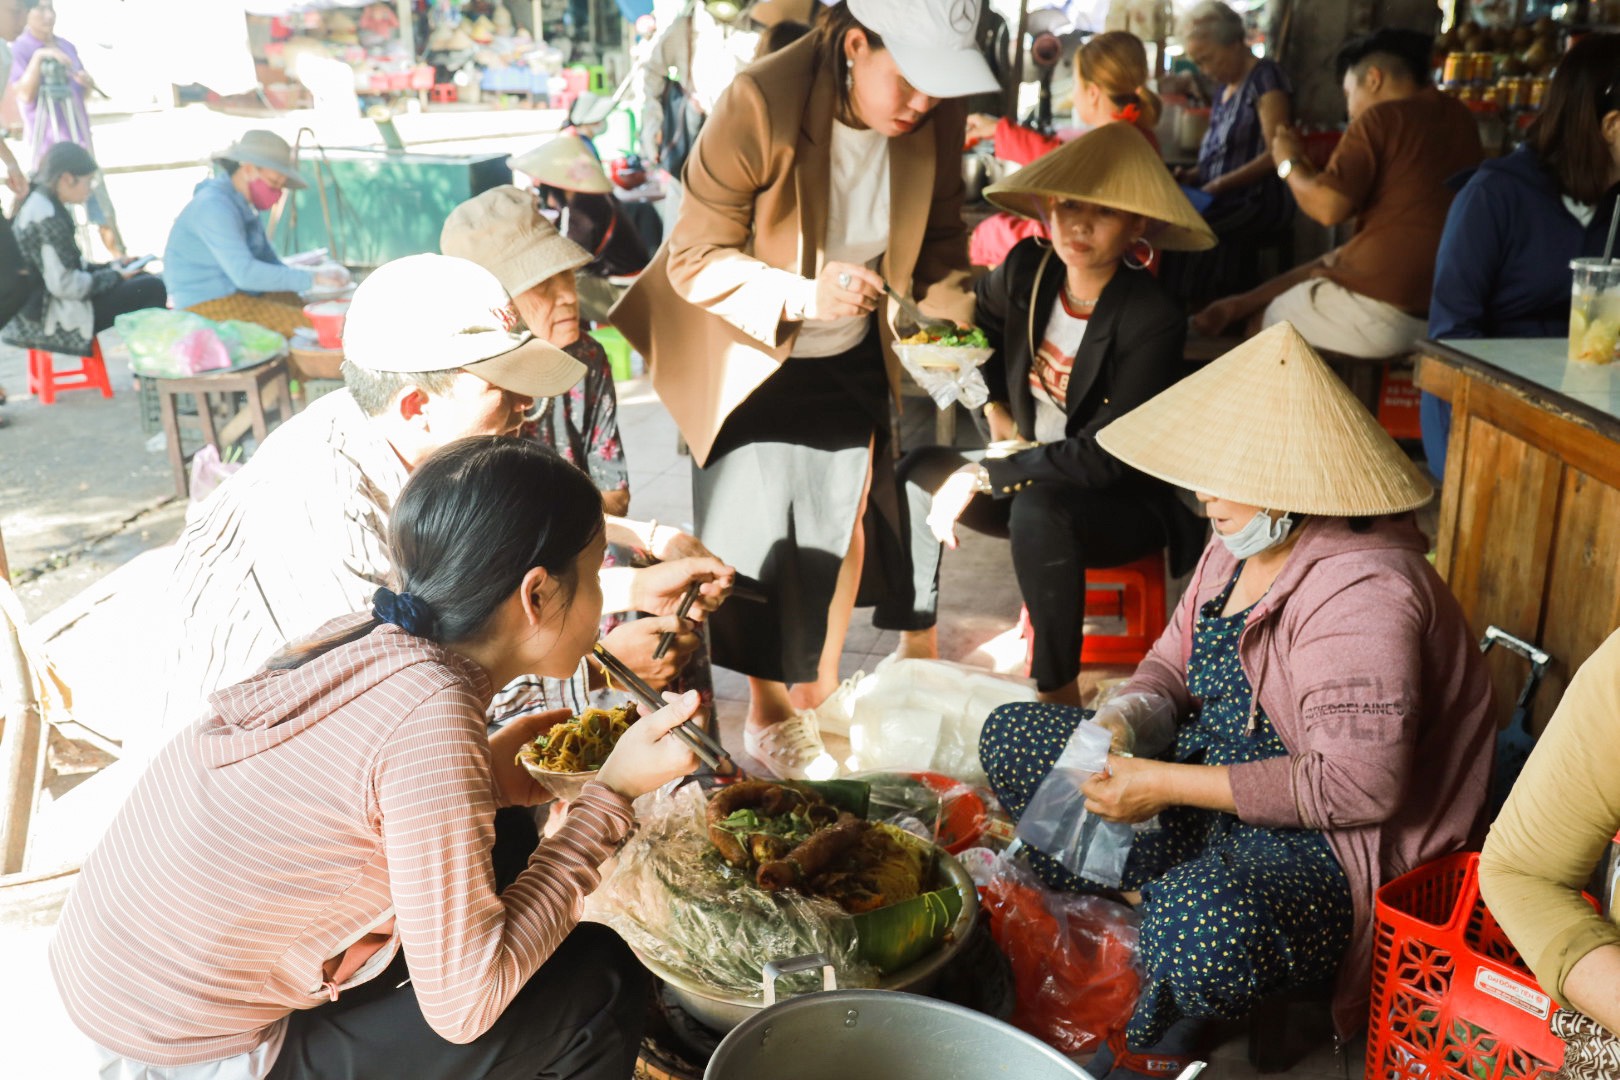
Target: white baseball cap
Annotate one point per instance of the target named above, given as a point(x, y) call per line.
point(934, 43)
point(434, 313)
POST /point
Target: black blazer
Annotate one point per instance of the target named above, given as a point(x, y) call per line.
point(1133, 349)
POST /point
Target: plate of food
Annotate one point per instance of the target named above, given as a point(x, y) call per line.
point(568, 754)
point(945, 348)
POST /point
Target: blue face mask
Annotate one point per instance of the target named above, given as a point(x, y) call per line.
point(1260, 534)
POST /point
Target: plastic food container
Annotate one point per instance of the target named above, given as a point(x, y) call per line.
point(327, 318)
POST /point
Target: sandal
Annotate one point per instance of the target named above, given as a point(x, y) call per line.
point(1146, 1063)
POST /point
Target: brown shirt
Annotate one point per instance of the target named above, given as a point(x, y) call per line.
point(1393, 164)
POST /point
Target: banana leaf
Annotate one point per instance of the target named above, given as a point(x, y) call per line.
point(852, 795)
point(899, 935)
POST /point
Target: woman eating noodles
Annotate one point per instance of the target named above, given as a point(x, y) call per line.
point(824, 171)
point(1321, 709)
point(1082, 334)
point(301, 884)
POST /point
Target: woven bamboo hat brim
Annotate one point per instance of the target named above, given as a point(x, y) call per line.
point(1113, 165)
point(564, 162)
point(1270, 425)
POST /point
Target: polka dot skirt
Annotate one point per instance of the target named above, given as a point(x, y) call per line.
point(1231, 912)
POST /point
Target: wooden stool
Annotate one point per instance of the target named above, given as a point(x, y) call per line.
point(44, 381)
point(1135, 593)
point(264, 384)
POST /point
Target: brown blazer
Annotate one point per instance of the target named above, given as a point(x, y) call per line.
point(709, 312)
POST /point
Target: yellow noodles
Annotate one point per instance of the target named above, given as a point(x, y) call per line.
point(581, 744)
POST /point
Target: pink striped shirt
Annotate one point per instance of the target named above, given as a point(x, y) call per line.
point(313, 806)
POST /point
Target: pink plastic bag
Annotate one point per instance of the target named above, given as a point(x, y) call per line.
point(208, 471)
point(201, 350)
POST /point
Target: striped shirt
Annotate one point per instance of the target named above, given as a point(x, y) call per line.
point(299, 536)
point(312, 807)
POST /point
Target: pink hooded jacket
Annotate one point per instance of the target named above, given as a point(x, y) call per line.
point(1362, 660)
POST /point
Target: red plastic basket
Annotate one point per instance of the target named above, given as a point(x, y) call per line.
point(1451, 1000)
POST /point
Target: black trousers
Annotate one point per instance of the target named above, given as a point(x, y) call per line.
point(131, 294)
point(1057, 532)
point(578, 1018)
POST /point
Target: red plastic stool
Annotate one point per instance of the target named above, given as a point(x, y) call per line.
point(44, 381)
point(442, 93)
point(1134, 592)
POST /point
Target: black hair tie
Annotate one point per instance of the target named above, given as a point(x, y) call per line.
point(405, 611)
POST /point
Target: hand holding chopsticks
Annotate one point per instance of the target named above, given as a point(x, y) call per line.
point(705, 746)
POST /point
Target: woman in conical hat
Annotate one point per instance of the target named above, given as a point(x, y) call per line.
point(571, 185)
point(1082, 334)
point(1314, 721)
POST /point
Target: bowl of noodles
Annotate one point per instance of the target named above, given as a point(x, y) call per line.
point(568, 754)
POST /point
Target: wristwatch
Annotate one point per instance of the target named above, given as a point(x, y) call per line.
point(1284, 168)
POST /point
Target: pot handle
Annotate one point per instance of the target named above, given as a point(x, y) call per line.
point(775, 969)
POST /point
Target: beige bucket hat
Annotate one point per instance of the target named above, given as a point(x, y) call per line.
point(564, 162)
point(267, 150)
point(1113, 165)
point(1269, 424)
point(501, 230)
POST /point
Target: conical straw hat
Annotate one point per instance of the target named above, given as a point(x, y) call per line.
point(1112, 165)
point(1270, 425)
point(564, 162)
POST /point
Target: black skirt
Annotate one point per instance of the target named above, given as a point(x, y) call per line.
point(778, 500)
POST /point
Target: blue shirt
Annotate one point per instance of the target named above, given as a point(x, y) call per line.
point(1503, 266)
point(1235, 137)
point(218, 247)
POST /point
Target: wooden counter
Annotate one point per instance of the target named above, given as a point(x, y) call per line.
point(1529, 534)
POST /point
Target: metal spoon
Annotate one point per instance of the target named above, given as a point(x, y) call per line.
point(923, 322)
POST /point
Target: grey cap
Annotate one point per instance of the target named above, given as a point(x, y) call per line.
point(267, 150)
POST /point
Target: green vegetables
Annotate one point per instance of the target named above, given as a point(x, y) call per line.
point(964, 339)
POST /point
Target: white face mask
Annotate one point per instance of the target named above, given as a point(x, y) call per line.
point(1260, 534)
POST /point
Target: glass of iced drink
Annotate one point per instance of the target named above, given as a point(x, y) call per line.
point(1594, 311)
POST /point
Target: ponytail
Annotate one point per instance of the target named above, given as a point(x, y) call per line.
point(474, 518)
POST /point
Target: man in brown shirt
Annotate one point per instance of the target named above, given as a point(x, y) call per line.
point(1370, 296)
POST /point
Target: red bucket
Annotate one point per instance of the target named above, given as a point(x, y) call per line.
point(327, 317)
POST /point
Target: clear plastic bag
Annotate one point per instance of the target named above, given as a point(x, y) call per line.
point(925, 714)
point(948, 374)
point(1073, 957)
point(1057, 822)
point(178, 343)
point(674, 901)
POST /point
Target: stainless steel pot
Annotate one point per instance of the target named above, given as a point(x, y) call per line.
point(720, 1012)
point(856, 1034)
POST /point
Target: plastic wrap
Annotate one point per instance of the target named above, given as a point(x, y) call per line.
point(181, 343)
point(933, 806)
point(1073, 957)
point(1057, 822)
point(1142, 724)
point(675, 901)
point(948, 374)
point(926, 714)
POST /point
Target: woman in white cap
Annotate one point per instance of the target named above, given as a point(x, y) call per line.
point(1320, 712)
point(219, 262)
point(1082, 334)
point(825, 170)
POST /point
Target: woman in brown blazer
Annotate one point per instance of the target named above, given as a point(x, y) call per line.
point(824, 170)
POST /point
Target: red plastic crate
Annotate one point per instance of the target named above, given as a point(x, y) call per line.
point(1451, 1000)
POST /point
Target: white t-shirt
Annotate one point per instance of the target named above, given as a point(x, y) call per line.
point(1052, 366)
point(857, 228)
